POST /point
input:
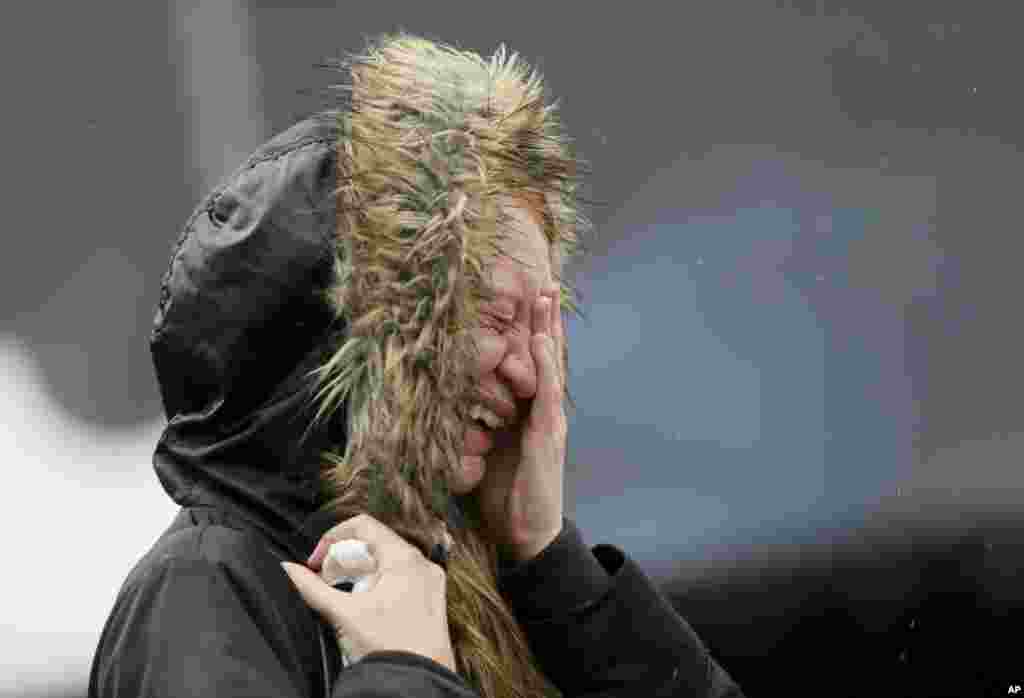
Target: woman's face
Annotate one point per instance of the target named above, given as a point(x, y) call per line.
point(505, 369)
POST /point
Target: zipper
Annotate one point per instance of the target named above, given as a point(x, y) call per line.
point(323, 661)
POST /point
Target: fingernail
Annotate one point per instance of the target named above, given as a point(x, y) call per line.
point(309, 560)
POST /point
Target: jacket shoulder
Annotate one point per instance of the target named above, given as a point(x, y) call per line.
point(207, 611)
point(206, 545)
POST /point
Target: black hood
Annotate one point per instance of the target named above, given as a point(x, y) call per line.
point(241, 321)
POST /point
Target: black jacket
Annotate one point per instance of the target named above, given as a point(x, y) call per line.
point(208, 611)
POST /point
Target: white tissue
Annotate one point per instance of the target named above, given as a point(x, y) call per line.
point(348, 560)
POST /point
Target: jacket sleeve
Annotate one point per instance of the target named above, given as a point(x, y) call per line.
point(599, 627)
point(217, 624)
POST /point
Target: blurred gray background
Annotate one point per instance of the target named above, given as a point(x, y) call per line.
point(800, 339)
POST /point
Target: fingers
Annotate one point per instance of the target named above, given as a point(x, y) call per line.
point(551, 324)
point(553, 327)
point(548, 398)
point(316, 593)
point(542, 315)
point(384, 545)
point(558, 334)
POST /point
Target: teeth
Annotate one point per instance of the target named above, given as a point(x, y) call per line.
point(481, 412)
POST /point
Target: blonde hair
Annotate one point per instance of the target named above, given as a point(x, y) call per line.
point(433, 139)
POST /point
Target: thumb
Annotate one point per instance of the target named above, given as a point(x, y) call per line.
point(316, 593)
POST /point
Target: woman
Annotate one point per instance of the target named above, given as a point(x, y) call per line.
point(358, 337)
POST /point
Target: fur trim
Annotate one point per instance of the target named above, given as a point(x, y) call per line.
point(433, 140)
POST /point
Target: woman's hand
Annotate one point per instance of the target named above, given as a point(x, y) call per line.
point(404, 609)
point(520, 495)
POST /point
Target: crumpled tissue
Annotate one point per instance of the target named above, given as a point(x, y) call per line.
point(349, 560)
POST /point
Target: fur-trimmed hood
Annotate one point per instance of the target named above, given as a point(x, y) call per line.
point(314, 310)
